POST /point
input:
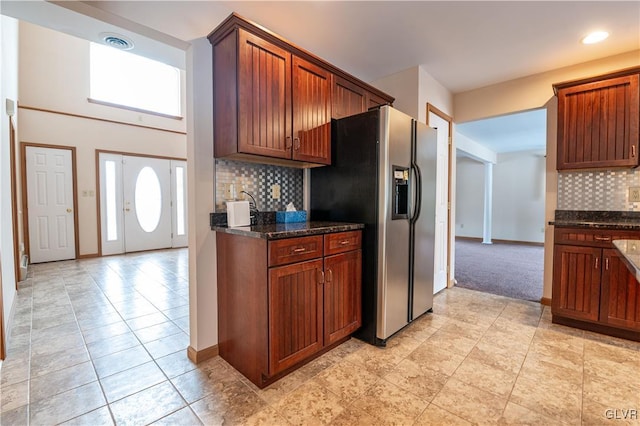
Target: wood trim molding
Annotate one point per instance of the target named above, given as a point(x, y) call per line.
point(524, 243)
point(447, 118)
point(25, 207)
point(14, 200)
point(134, 109)
point(198, 356)
point(546, 301)
point(88, 117)
point(87, 256)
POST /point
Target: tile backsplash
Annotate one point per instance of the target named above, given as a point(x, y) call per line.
point(606, 190)
point(257, 179)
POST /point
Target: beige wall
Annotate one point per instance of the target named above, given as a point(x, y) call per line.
point(203, 287)
point(57, 79)
point(530, 93)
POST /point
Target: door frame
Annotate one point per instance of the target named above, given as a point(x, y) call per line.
point(98, 194)
point(14, 200)
point(25, 207)
point(447, 118)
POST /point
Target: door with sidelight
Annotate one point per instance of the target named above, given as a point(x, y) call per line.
point(143, 203)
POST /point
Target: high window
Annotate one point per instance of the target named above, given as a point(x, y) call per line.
point(133, 81)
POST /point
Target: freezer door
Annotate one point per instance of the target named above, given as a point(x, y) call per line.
point(393, 248)
point(426, 159)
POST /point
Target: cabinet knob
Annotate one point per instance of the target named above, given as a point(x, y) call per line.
point(320, 276)
point(597, 238)
point(287, 142)
point(344, 242)
point(296, 143)
point(299, 250)
point(596, 263)
point(329, 275)
point(633, 151)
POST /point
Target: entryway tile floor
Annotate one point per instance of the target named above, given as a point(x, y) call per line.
point(103, 341)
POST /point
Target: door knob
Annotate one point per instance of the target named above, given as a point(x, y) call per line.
point(68, 210)
point(127, 209)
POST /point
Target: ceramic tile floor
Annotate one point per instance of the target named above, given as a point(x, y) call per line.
point(103, 341)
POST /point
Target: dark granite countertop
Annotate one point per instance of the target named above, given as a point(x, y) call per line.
point(275, 231)
point(596, 219)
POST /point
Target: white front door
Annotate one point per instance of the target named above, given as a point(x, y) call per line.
point(50, 204)
point(147, 203)
point(442, 195)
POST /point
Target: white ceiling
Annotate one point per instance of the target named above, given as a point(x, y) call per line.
point(462, 44)
point(522, 131)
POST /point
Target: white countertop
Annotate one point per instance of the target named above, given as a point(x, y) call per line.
point(630, 249)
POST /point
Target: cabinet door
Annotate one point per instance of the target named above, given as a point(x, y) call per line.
point(348, 98)
point(620, 293)
point(264, 97)
point(576, 282)
point(342, 295)
point(598, 124)
point(311, 112)
point(295, 313)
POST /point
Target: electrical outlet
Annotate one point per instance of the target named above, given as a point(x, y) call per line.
point(228, 191)
point(275, 192)
point(240, 188)
point(634, 194)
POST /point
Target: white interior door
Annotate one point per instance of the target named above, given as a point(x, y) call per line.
point(179, 203)
point(147, 203)
point(442, 194)
point(50, 204)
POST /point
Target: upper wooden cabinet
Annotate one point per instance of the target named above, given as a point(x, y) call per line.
point(598, 121)
point(273, 101)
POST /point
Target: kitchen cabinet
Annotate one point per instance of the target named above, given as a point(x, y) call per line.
point(621, 293)
point(598, 121)
point(273, 101)
point(592, 287)
point(284, 301)
point(348, 98)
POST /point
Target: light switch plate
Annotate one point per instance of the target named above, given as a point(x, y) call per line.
point(634, 194)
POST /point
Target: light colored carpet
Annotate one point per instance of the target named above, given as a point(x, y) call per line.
point(513, 270)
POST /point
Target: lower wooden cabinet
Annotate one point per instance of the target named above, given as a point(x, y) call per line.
point(620, 306)
point(592, 287)
point(576, 282)
point(284, 301)
point(295, 313)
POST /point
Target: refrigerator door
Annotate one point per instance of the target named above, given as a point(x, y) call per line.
point(426, 160)
point(393, 234)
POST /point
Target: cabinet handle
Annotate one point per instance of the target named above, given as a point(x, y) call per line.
point(296, 143)
point(320, 276)
point(596, 263)
point(287, 143)
point(606, 264)
point(344, 242)
point(633, 151)
point(602, 238)
point(329, 275)
point(299, 250)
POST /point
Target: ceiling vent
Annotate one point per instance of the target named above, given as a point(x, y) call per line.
point(117, 40)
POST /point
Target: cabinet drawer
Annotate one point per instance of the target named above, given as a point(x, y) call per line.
point(291, 250)
point(341, 242)
point(592, 237)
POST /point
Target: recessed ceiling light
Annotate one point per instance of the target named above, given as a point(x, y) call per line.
point(595, 37)
point(116, 40)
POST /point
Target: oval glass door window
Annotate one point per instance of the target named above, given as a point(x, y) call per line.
point(148, 199)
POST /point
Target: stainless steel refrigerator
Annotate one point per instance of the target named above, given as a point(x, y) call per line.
point(383, 174)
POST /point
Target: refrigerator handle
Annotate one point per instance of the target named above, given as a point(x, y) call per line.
point(417, 207)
